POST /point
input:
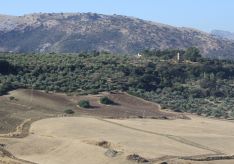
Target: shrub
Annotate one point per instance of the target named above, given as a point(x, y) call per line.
point(6, 87)
point(106, 100)
point(163, 106)
point(177, 110)
point(12, 98)
point(193, 54)
point(198, 93)
point(84, 104)
point(5, 67)
point(69, 111)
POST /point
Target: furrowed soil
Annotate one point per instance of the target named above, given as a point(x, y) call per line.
point(34, 105)
point(36, 130)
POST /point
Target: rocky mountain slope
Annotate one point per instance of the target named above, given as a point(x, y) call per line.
point(223, 34)
point(78, 32)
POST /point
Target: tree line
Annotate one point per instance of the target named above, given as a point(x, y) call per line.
point(195, 84)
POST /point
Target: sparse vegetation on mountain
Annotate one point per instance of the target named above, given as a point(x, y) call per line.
point(223, 34)
point(85, 32)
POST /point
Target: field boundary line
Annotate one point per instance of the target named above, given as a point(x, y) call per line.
point(169, 136)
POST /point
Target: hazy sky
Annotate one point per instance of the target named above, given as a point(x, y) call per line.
point(201, 14)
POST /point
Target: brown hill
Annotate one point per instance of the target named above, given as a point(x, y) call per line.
point(81, 32)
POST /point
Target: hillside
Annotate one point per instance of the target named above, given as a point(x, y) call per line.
point(201, 86)
point(35, 128)
point(223, 34)
point(76, 32)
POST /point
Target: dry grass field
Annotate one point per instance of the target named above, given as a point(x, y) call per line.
point(107, 133)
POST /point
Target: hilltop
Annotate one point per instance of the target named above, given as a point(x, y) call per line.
point(82, 32)
point(223, 34)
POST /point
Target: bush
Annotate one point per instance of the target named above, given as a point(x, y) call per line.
point(84, 104)
point(69, 111)
point(106, 100)
point(11, 98)
point(192, 54)
point(177, 110)
point(5, 67)
point(198, 93)
point(4, 88)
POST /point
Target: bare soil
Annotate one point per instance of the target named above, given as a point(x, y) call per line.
point(87, 139)
point(35, 105)
point(34, 129)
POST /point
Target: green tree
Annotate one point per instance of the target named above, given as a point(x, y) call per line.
point(106, 100)
point(5, 67)
point(192, 54)
point(84, 104)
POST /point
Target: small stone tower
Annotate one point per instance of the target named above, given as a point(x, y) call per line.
point(178, 57)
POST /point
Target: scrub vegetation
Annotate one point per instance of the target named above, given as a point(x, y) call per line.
point(193, 84)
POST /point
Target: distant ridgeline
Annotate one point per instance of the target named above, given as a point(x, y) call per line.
point(177, 79)
point(85, 32)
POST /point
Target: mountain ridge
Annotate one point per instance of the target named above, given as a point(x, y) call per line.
point(82, 32)
point(223, 34)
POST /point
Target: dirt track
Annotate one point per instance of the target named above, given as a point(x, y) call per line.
point(169, 136)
